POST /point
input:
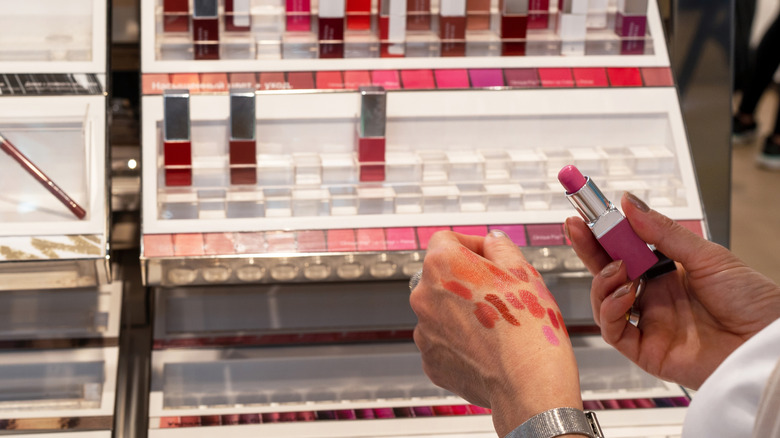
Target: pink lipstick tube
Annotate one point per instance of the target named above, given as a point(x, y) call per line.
point(607, 223)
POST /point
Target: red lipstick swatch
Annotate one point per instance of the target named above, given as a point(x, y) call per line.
point(520, 273)
point(553, 318)
point(530, 301)
point(498, 304)
point(486, 315)
point(457, 289)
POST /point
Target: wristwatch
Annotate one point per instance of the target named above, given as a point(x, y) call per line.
point(557, 422)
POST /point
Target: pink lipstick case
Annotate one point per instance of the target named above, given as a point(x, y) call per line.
point(610, 227)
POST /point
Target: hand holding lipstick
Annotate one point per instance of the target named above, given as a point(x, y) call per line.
point(691, 319)
point(489, 329)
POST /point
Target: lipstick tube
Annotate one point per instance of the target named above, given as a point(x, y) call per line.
point(418, 14)
point(331, 28)
point(237, 16)
point(631, 18)
point(514, 26)
point(607, 223)
point(452, 27)
point(41, 177)
point(478, 14)
point(205, 29)
point(631, 26)
point(358, 14)
point(371, 133)
point(243, 158)
point(177, 147)
point(176, 16)
point(538, 14)
point(298, 15)
point(392, 28)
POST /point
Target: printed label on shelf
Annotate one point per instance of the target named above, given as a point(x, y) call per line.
point(52, 84)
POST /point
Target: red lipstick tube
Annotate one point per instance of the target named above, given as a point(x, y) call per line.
point(177, 147)
point(452, 27)
point(331, 28)
point(205, 29)
point(607, 223)
point(514, 26)
point(176, 16)
point(243, 161)
point(371, 133)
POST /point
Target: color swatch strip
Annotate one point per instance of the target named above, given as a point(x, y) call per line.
point(420, 79)
point(396, 412)
point(345, 239)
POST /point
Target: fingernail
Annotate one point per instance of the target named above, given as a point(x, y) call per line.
point(611, 269)
point(498, 234)
point(638, 203)
point(566, 230)
point(622, 290)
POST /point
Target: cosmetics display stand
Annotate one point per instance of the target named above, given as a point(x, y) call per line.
point(53, 166)
point(59, 313)
point(295, 167)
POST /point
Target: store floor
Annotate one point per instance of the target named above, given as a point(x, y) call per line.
point(755, 200)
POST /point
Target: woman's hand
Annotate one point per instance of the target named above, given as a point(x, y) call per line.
point(490, 331)
point(691, 319)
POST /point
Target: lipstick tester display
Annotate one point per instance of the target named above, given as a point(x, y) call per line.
point(59, 316)
point(298, 157)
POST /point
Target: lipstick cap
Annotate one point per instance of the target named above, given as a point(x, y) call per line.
point(579, 7)
point(373, 111)
point(452, 8)
point(392, 7)
point(332, 8)
point(632, 7)
point(205, 9)
point(242, 114)
point(176, 115)
point(515, 7)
